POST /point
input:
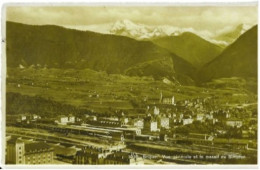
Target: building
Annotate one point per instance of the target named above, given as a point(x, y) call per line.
point(62, 120)
point(163, 137)
point(205, 137)
point(168, 100)
point(107, 123)
point(209, 116)
point(15, 151)
point(124, 120)
point(131, 131)
point(20, 118)
point(112, 118)
point(123, 158)
point(156, 111)
point(165, 122)
point(150, 125)
point(65, 153)
point(90, 155)
point(118, 136)
point(71, 119)
point(139, 123)
point(187, 121)
point(36, 117)
point(91, 118)
point(19, 152)
point(98, 156)
point(65, 119)
point(38, 153)
point(234, 123)
point(200, 117)
point(245, 134)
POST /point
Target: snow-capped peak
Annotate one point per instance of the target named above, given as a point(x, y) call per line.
point(142, 32)
point(243, 28)
point(123, 24)
point(137, 31)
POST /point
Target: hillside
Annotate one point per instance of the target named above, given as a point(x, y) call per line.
point(231, 35)
point(237, 60)
point(190, 47)
point(56, 47)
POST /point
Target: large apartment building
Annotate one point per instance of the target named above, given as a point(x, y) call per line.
point(20, 152)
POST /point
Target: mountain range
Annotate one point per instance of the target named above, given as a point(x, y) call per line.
point(184, 58)
point(147, 32)
point(190, 47)
point(140, 31)
point(55, 46)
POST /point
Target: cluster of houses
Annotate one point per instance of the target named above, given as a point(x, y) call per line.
point(166, 115)
point(23, 118)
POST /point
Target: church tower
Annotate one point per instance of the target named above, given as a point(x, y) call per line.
point(161, 98)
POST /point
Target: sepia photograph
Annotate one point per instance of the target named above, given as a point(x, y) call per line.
point(130, 84)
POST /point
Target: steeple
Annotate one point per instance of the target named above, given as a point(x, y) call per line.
point(161, 97)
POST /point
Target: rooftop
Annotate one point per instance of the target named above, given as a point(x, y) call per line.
point(119, 156)
point(14, 140)
point(37, 147)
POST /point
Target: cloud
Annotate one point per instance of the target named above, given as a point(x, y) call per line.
point(204, 18)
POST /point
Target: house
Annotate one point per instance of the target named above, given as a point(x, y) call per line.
point(63, 120)
point(181, 116)
point(153, 126)
point(234, 123)
point(124, 120)
point(150, 125)
point(219, 131)
point(165, 122)
point(228, 114)
point(156, 111)
point(200, 117)
point(245, 134)
point(91, 118)
point(187, 121)
point(209, 116)
point(35, 117)
point(71, 119)
point(168, 100)
point(139, 123)
point(21, 118)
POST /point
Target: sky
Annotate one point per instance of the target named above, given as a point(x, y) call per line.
point(209, 18)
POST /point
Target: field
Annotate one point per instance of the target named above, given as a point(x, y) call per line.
point(100, 92)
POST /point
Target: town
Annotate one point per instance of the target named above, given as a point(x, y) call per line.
point(170, 131)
